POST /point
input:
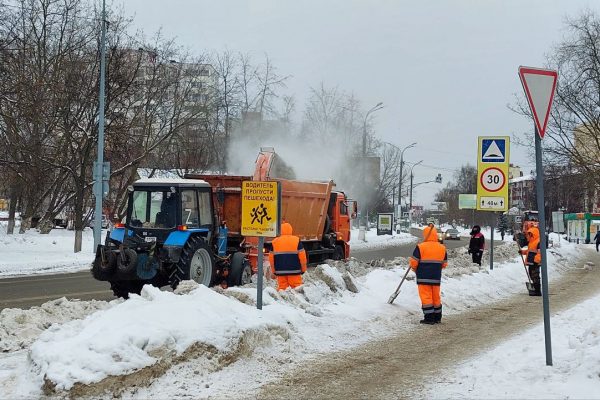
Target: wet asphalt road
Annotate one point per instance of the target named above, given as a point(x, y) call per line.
point(25, 292)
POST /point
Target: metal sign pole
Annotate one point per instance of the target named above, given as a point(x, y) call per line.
point(261, 273)
point(99, 165)
point(492, 244)
point(539, 184)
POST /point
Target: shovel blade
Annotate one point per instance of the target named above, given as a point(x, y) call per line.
point(529, 286)
point(392, 298)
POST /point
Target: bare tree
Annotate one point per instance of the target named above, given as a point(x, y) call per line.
point(573, 132)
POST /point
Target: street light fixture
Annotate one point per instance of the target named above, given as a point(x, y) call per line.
point(377, 107)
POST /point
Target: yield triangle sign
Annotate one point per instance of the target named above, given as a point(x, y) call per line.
point(539, 86)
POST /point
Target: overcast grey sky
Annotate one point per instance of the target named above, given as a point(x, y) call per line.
point(445, 70)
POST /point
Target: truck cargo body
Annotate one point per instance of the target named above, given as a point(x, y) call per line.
point(318, 215)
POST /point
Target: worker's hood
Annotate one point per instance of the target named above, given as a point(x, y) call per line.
point(430, 234)
point(534, 232)
point(286, 228)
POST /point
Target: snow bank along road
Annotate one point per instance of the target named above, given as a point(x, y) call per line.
point(402, 366)
point(225, 348)
point(35, 290)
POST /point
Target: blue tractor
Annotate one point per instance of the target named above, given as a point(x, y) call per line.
point(170, 234)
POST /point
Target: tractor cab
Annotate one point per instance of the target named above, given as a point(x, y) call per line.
point(158, 208)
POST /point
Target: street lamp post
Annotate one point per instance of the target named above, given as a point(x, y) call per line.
point(400, 179)
point(377, 107)
point(402, 150)
point(410, 197)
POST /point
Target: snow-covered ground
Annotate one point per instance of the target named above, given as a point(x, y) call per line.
point(207, 346)
point(34, 253)
point(516, 369)
point(378, 242)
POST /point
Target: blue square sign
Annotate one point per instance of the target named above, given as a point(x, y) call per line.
point(493, 150)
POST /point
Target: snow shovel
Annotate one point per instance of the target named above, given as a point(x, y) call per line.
point(528, 284)
point(397, 292)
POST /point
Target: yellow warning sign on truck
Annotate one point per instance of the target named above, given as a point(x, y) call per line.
point(261, 205)
point(492, 173)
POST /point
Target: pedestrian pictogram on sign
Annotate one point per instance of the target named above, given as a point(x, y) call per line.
point(260, 208)
point(493, 150)
point(539, 86)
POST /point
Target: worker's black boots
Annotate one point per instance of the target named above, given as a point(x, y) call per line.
point(537, 290)
point(428, 319)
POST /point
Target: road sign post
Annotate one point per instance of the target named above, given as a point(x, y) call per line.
point(492, 178)
point(539, 86)
point(261, 217)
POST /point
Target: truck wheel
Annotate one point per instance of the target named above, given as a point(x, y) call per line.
point(196, 263)
point(124, 288)
point(240, 272)
point(127, 261)
point(339, 253)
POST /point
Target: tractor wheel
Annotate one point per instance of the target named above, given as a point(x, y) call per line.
point(196, 263)
point(103, 269)
point(338, 254)
point(124, 288)
point(240, 272)
point(126, 261)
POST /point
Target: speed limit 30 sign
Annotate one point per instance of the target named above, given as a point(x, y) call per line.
point(493, 179)
point(492, 171)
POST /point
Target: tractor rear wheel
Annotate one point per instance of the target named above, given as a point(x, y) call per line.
point(196, 263)
point(240, 272)
point(124, 288)
point(104, 264)
point(338, 254)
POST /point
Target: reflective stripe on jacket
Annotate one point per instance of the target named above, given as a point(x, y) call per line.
point(428, 260)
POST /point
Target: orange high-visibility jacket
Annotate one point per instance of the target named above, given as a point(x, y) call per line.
point(288, 256)
point(534, 256)
point(429, 258)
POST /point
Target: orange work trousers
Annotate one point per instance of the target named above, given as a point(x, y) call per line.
point(430, 296)
point(286, 281)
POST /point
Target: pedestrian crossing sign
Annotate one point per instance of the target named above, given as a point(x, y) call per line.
point(492, 173)
point(493, 150)
point(261, 208)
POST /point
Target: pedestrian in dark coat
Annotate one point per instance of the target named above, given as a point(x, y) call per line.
point(476, 244)
point(597, 239)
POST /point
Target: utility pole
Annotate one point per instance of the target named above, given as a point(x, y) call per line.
point(377, 107)
point(410, 196)
point(410, 201)
point(98, 170)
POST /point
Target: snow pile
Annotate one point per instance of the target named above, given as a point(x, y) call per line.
point(139, 332)
point(378, 242)
point(32, 252)
point(19, 328)
point(506, 372)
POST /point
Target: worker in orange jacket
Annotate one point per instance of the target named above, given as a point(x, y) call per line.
point(427, 261)
point(534, 259)
point(288, 259)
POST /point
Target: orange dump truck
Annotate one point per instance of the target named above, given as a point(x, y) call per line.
point(320, 216)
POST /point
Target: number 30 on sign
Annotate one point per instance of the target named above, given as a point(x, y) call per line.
point(493, 179)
